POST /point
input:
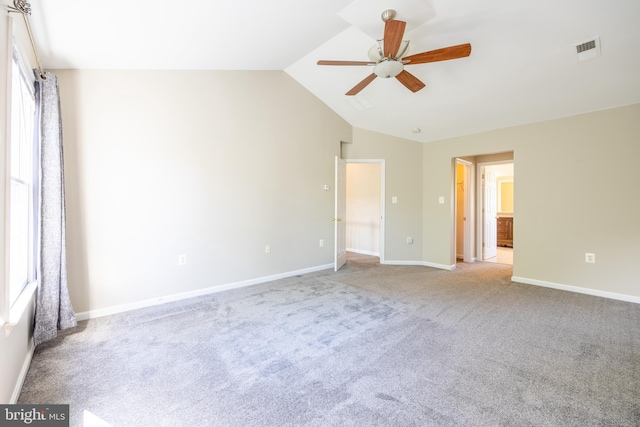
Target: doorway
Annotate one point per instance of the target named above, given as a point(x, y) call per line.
point(365, 207)
point(495, 211)
point(463, 196)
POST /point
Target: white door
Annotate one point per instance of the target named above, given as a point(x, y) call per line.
point(340, 226)
point(489, 206)
point(468, 242)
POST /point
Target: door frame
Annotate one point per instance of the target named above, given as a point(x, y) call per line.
point(467, 251)
point(479, 200)
point(339, 218)
point(383, 216)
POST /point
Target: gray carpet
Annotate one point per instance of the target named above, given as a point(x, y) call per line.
point(370, 345)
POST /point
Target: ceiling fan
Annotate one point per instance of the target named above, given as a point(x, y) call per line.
point(387, 56)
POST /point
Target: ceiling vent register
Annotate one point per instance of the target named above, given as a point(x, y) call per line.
point(586, 46)
point(588, 50)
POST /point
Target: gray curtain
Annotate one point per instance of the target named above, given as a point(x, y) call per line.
point(53, 306)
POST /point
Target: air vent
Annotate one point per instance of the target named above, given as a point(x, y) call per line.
point(359, 102)
point(586, 46)
point(588, 50)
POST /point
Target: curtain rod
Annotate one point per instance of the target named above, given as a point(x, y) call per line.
point(24, 8)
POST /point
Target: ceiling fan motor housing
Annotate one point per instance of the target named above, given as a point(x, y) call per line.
point(388, 15)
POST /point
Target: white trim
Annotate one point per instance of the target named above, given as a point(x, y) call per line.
point(420, 263)
point(577, 289)
point(91, 314)
point(340, 214)
point(5, 297)
point(18, 308)
point(14, 305)
point(469, 201)
point(17, 389)
point(395, 262)
point(440, 266)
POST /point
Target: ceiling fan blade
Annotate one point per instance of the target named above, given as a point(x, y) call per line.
point(357, 88)
point(323, 62)
point(393, 32)
point(444, 54)
point(410, 81)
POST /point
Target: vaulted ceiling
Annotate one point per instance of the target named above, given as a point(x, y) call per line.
point(523, 66)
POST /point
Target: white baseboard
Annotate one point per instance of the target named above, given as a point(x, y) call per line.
point(577, 289)
point(401, 262)
point(421, 263)
point(92, 314)
point(23, 373)
point(440, 266)
point(358, 251)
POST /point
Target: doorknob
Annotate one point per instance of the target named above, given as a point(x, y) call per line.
point(336, 219)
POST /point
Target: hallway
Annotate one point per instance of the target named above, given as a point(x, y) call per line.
point(504, 255)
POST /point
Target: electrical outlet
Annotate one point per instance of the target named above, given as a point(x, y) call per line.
point(410, 240)
point(590, 258)
point(267, 249)
point(182, 259)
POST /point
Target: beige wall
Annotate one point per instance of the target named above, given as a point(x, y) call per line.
point(215, 165)
point(15, 354)
point(506, 196)
point(574, 195)
point(403, 175)
point(589, 203)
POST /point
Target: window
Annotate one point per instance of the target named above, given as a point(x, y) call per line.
point(23, 198)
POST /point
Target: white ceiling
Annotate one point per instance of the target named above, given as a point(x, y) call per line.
point(522, 67)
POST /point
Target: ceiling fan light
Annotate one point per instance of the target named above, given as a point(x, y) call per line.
point(387, 69)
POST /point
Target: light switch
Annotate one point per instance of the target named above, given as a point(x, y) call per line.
point(441, 200)
point(394, 199)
